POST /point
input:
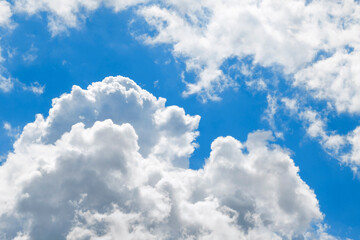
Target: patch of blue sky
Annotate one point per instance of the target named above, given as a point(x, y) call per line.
point(322, 54)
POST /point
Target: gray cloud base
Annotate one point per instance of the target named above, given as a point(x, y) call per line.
point(110, 162)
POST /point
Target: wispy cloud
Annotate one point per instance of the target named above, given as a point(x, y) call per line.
point(30, 55)
point(10, 130)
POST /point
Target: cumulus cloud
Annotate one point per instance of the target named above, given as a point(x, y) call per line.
point(287, 36)
point(111, 161)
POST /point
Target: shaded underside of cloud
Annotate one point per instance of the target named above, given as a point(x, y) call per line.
point(111, 162)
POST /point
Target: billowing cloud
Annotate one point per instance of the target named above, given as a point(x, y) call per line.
point(111, 161)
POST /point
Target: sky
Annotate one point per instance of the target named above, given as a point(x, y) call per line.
point(215, 119)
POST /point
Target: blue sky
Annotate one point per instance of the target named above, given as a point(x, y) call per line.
point(108, 43)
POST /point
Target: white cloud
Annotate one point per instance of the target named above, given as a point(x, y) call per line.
point(30, 55)
point(286, 35)
point(302, 39)
point(257, 84)
point(63, 15)
point(34, 87)
point(353, 157)
point(270, 112)
point(335, 79)
point(79, 175)
point(290, 104)
point(343, 147)
point(5, 13)
point(10, 130)
point(121, 100)
point(6, 84)
point(7, 126)
point(316, 127)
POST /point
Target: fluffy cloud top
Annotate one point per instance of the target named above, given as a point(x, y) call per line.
point(110, 162)
point(122, 101)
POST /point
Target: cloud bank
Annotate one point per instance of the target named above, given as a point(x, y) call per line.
point(298, 38)
point(289, 36)
point(312, 43)
point(111, 162)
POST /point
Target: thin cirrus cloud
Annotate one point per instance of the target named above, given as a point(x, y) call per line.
point(112, 161)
